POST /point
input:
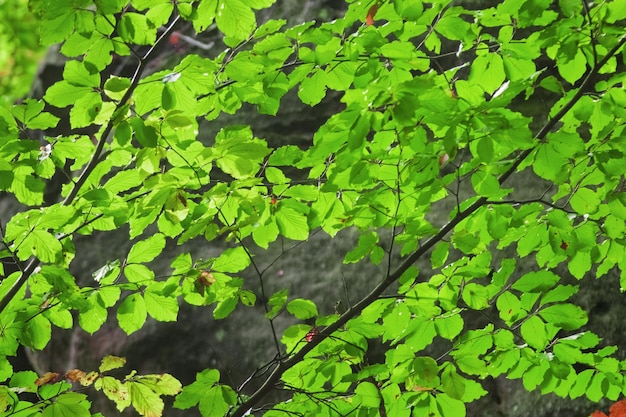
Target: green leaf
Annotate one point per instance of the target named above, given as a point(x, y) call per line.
point(539, 281)
point(302, 309)
point(572, 68)
point(161, 308)
point(225, 307)
point(235, 19)
point(7, 398)
point(453, 384)
point(27, 189)
point(566, 316)
point(217, 401)
point(81, 74)
point(91, 319)
point(59, 316)
point(339, 77)
point(232, 260)
point(115, 390)
point(275, 176)
point(582, 383)
point(146, 250)
point(439, 254)
point(63, 93)
point(30, 113)
point(313, 88)
point(85, 110)
point(138, 273)
point(497, 224)
point(145, 134)
point(11, 330)
point(37, 332)
point(44, 245)
point(132, 313)
point(60, 23)
point(205, 15)
point(559, 293)
point(368, 394)
point(161, 384)
point(449, 325)
point(585, 201)
point(595, 391)
point(466, 242)
point(115, 87)
point(135, 28)
point(276, 302)
point(266, 234)
point(25, 380)
point(213, 399)
point(248, 298)
point(52, 389)
point(123, 181)
point(71, 404)
point(486, 184)
point(367, 242)
point(420, 334)
point(285, 155)
point(450, 406)
point(146, 402)
point(509, 307)
point(192, 394)
point(488, 72)
point(517, 69)
point(476, 296)
point(534, 333)
point(551, 83)
point(111, 362)
point(291, 223)
point(452, 27)
point(238, 153)
point(426, 372)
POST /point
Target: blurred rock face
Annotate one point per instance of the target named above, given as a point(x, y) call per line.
point(313, 269)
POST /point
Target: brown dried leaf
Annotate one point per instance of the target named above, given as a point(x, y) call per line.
point(47, 378)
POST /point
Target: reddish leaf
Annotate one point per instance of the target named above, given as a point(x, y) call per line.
point(618, 409)
point(369, 19)
point(47, 378)
point(75, 375)
point(206, 279)
point(311, 334)
point(443, 160)
point(174, 38)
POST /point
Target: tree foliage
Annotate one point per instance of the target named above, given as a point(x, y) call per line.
point(21, 50)
point(438, 112)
